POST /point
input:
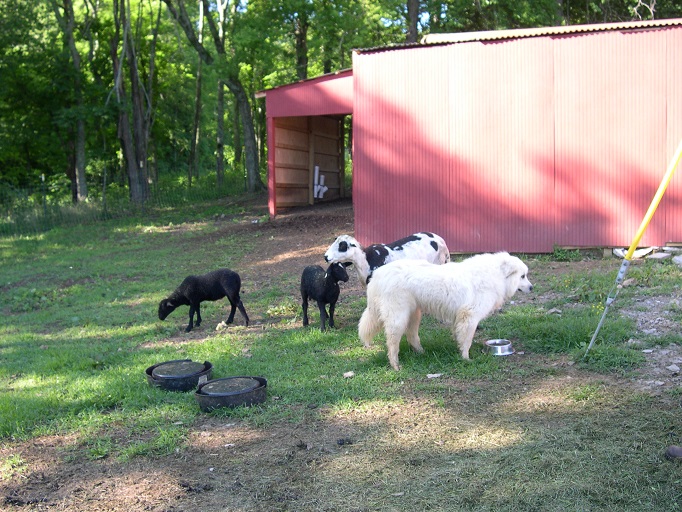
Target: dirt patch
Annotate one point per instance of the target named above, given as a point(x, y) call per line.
point(321, 459)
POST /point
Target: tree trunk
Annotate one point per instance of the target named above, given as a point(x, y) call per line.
point(151, 174)
point(236, 137)
point(261, 135)
point(130, 145)
point(193, 167)
point(71, 168)
point(233, 84)
point(81, 183)
point(220, 134)
point(559, 16)
point(139, 128)
point(301, 37)
point(254, 182)
point(137, 194)
point(67, 23)
point(412, 19)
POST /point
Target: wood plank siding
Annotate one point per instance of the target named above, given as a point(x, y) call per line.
point(300, 145)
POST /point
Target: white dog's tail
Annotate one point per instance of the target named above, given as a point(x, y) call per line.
point(369, 326)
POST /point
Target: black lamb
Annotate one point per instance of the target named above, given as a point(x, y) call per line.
point(322, 287)
point(196, 289)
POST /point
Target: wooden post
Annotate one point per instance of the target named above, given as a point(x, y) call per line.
point(311, 161)
point(342, 160)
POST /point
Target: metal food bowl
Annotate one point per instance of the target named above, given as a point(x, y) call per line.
point(231, 392)
point(499, 347)
point(179, 375)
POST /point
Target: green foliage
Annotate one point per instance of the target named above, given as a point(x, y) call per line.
point(99, 448)
point(286, 307)
point(502, 14)
point(33, 299)
point(586, 392)
point(40, 104)
point(655, 275)
point(561, 254)
point(584, 288)
point(80, 299)
point(22, 213)
point(82, 302)
point(11, 465)
point(81, 328)
point(165, 442)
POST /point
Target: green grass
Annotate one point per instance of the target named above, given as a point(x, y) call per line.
point(80, 304)
point(24, 212)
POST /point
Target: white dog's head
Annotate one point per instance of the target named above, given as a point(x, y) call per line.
point(516, 273)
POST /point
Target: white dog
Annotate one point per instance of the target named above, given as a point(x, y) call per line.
point(461, 294)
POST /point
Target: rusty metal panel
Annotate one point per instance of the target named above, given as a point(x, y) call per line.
point(455, 140)
point(610, 143)
point(672, 201)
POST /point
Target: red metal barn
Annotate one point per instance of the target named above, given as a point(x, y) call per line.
point(510, 140)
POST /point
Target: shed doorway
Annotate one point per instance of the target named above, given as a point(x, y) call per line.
point(309, 163)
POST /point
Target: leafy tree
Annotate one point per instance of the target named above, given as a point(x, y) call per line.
point(134, 117)
point(110, 91)
point(30, 71)
point(223, 21)
point(64, 12)
point(610, 11)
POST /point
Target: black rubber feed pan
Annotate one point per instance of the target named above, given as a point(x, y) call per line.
point(179, 375)
point(231, 392)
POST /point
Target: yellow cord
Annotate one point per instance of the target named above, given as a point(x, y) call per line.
point(654, 203)
point(640, 232)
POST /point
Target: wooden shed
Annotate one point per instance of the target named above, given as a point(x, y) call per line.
point(306, 140)
point(512, 140)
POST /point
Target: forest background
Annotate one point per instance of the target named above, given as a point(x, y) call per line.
point(107, 102)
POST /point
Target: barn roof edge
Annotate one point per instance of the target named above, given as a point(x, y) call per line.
point(500, 35)
point(320, 78)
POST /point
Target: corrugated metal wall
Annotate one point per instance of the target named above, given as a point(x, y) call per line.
point(519, 144)
point(325, 95)
point(401, 138)
point(501, 146)
point(610, 104)
point(672, 202)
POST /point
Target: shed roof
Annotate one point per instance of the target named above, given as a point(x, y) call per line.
point(500, 35)
point(330, 94)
